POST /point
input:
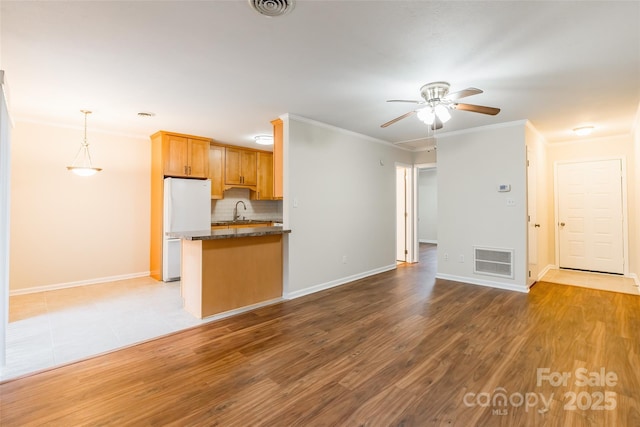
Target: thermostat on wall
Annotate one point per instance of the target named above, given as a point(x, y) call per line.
point(503, 188)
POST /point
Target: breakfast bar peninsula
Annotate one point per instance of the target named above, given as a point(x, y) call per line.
point(231, 268)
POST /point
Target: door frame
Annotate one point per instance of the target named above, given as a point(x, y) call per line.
point(416, 176)
point(625, 219)
point(410, 231)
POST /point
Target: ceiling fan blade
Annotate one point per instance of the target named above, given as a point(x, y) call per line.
point(463, 93)
point(406, 100)
point(477, 109)
point(397, 119)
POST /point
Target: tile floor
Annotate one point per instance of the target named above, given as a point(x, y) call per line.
point(52, 328)
point(57, 327)
point(604, 282)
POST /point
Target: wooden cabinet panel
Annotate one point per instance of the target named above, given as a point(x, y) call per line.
point(265, 177)
point(249, 167)
point(240, 167)
point(232, 174)
point(198, 159)
point(175, 152)
point(277, 158)
point(185, 157)
point(216, 171)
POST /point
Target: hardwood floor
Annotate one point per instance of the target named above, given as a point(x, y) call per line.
point(400, 348)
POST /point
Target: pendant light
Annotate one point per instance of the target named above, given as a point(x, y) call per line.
point(82, 162)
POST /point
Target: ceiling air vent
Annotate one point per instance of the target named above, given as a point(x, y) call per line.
point(272, 7)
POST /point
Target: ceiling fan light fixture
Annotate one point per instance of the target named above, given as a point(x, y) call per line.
point(426, 115)
point(583, 130)
point(443, 113)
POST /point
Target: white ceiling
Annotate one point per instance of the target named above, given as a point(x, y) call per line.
point(219, 69)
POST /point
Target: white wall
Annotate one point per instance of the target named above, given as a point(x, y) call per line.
point(5, 170)
point(339, 202)
point(471, 212)
point(66, 229)
point(428, 206)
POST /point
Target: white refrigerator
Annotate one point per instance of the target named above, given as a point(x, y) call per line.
point(187, 207)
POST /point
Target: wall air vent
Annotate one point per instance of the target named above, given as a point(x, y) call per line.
point(493, 262)
point(272, 8)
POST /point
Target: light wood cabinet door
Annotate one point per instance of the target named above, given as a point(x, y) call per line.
point(232, 170)
point(265, 176)
point(216, 171)
point(248, 163)
point(175, 154)
point(185, 157)
point(277, 158)
point(240, 167)
point(198, 158)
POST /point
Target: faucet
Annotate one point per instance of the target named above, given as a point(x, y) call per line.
point(236, 215)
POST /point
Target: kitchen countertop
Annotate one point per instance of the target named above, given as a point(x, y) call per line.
point(230, 233)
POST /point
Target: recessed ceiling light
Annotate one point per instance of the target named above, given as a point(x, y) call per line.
point(146, 114)
point(264, 139)
point(583, 130)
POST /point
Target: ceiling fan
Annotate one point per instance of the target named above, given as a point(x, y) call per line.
point(438, 101)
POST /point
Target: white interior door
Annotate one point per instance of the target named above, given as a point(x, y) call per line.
point(590, 216)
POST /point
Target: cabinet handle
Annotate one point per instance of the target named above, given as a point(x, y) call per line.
point(185, 171)
point(189, 170)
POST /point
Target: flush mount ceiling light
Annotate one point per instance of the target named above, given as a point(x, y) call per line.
point(272, 8)
point(264, 139)
point(82, 162)
point(583, 130)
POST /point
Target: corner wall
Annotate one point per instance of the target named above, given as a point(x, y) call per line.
point(339, 204)
point(471, 211)
point(68, 230)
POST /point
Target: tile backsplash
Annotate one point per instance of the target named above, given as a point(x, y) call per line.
point(222, 210)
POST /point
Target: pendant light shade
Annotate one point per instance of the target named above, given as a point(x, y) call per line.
point(82, 162)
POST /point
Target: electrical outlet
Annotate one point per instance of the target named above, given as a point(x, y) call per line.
point(344, 259)
point(461, 258)
point(295, 203)
point(446, 257)
point(511, 202)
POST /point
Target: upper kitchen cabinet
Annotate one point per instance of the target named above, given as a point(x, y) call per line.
point(265, 177)
point(184, 156)
point(216, 171)
point(277, 158)
point(240, 168)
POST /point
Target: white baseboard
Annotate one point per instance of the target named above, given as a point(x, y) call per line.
point(337, 282)
point(78, 283)
point(481, 282)
point(435, 242)
point(545, 271)
point(635, 278)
